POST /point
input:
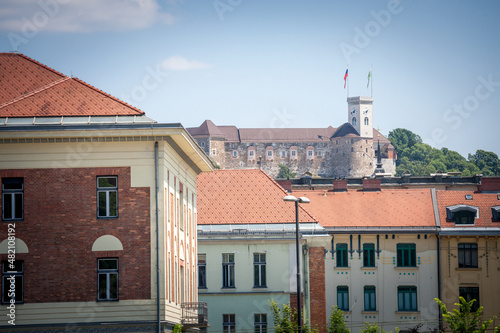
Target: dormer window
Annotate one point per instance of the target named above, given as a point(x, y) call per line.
point(462, 214)
point(495, 211)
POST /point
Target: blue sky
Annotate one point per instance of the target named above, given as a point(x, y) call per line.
point(277, 63)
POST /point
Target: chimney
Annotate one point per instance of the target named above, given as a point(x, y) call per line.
point(370, 184)
point(340, 185)
point(490, 184)
point(286, 184)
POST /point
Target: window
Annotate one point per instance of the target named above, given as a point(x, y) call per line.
point(214, 152)
point(283, 153)
point(367, 122)
point(260, 322)
point(107, 194)
point(407, 255)
point(203, 143)
point(462, 214)
point(107, 279)
point(12, 281)
point(293, 153)
point(259, 270)
point(470, 293)
point(310, 153)
point(407, 298)
point(467, 255)
point(235, 153)
point(228, 270)
point(269, 154)
point(228, 323)
point(12, 199)
point(370, 304)
point(354, 121)
point(202, 271)
point(341, 255)
point(343, 298)
point(251, 154)
point(368, 255)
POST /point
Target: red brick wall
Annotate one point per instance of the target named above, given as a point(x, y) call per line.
point(317, 288)
point(60, 226)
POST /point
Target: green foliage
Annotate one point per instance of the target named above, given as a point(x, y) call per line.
point(336, 323)
point(373, 328)
point(285, 172)
point(461, 320)
point(420, 159)
point(177, 328)
point(285, 320)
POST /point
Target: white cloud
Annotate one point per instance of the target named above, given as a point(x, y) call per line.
point(178, 63)
point(81, 15)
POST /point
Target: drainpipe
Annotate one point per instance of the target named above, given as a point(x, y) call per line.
point(439, 280)
point(157, 242)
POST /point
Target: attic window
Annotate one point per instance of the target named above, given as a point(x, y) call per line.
point(496, 213)
point(462, 214)
point(468, 197)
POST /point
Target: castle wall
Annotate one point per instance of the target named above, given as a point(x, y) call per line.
point(341, 157)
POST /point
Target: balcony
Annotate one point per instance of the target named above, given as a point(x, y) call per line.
point(195, 314)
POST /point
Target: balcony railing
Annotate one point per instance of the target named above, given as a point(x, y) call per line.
point(195, 314)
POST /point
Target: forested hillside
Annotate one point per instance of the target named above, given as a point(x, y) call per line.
point(420, 159)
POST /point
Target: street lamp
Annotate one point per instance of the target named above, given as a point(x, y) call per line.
point(297, 230)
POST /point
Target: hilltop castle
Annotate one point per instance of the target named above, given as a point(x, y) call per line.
point(349, 150)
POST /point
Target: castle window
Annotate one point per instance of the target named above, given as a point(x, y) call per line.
point(235, 153)
point(352, 149)
point(293, 153)
point(214, 151)
point(354, 121)
point(203, 143)
point(310, 153)
point(283, 153)
point(367, 122)
point(251, 153)
point(462, 214)
point(269, 153)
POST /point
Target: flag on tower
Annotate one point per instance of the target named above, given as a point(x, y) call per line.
point(345, 76)
point(369, 77)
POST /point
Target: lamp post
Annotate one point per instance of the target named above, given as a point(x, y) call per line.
point(297, 230)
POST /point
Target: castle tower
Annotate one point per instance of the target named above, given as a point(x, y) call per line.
point(360, 115)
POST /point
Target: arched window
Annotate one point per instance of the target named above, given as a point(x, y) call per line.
point(353, 121)
point(367, 121)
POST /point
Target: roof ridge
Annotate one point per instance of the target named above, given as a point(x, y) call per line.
point(37, 63)
point(36, 91)
point(108, 95)
point(286, 193)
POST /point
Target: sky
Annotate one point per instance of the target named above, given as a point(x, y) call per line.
point(280, 63)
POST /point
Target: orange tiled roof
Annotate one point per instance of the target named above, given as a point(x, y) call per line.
point(244, 196)
point(484, 201)
point(386, 208)
point(30, 89)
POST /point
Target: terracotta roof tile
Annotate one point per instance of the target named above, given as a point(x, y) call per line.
point(30, 89)
point(244, 196)
point(386, 208)
point(484, 201)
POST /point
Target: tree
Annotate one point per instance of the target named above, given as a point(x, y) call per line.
point(373, 328)
point(285, 172)
point(336, 323)
point(461, 320)
point(486, 161)
point(402, 138)
point(285, 320)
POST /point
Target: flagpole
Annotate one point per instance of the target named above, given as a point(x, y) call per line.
point(371, 77)
point(347, 83)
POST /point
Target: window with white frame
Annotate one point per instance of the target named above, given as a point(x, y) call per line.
point(12, 281)
point(251, 154)
point(259, 270)
point(310, 153)
point(293, 153)
point(107, 279)
point(107, 196)
point(12, 199)
point(202, 271)
point(228, 323)
point(260, 322)
point(228, 270)
point(283, 153)
point(269, 154)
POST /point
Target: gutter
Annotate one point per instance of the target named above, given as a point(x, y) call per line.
point(438, 237)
